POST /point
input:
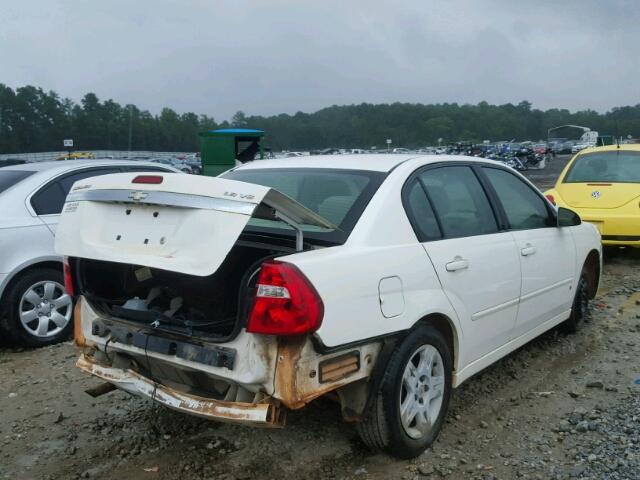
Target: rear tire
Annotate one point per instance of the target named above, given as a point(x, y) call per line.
point(580, 307)
point(406, 414)
point(37, 310)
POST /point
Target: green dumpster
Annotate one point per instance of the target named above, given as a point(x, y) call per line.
point(220, 150)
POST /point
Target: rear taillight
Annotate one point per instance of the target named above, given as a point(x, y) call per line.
point(551, 199)
point(148, 179)
point(68, 279)
point(285, 303)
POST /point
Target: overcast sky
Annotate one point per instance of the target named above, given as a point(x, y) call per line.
point(281, 56)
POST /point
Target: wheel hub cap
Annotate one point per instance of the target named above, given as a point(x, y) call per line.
point(45, 309)
point(422, 391)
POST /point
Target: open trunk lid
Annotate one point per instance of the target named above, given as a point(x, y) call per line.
point(184, 223)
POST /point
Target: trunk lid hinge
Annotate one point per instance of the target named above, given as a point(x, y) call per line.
point(296, 226)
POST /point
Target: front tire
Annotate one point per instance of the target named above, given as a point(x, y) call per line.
point(37, 310)
point(406, 413)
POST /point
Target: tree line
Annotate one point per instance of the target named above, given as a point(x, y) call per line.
point(34, 120)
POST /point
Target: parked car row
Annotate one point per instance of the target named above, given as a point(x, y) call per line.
point(190, 165)
point(455, 148)
point(386, 279)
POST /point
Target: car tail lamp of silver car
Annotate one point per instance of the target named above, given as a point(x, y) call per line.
point(285, 303)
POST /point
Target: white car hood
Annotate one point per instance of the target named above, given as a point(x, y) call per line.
point(185, 224)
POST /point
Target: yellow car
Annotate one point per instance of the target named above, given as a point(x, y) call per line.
point(76, 156)
point(602, 185)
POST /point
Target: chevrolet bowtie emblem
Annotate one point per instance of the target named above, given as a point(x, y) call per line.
point(138, 195)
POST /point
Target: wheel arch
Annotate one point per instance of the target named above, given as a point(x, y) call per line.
point(367, 390)
point(445, 326)
point(46, 262)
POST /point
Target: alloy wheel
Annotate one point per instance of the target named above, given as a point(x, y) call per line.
point(421, 392)
point(45, 309)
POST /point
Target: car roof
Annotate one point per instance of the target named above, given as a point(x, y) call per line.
point(370, 162)
point(632, 147)
point(59, 166)
point(374, 162)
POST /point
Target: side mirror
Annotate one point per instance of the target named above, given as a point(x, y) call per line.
point(568, 218)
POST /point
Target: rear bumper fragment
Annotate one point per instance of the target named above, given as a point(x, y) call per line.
point(267, 414)
point(211, 355)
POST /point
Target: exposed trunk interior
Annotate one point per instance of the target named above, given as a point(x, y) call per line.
point(210, 307)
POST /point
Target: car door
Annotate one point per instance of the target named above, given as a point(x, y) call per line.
point(477, 264)
point(546, 253)
point(47, 202)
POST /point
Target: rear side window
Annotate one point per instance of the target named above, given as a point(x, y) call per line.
point(50, 198)
point(67, 181)
point(524, 208)
point(459, 201)
point(420, 213)
point(8, 178)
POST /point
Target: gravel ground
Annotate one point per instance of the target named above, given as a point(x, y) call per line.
point(561, 407)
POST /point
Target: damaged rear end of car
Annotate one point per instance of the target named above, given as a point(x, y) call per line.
point(179, 303)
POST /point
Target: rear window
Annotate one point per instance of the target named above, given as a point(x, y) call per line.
point(8, 178)
point(615, 166)
point(339, 196)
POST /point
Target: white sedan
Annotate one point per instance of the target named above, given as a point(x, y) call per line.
point(34, 307)
point(388, 280)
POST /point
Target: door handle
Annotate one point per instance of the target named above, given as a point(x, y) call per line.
point(528, 250)
point(458, 263)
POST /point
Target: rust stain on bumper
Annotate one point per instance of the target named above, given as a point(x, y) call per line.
point(295, 386)
point(78, 337)
point(267, 413)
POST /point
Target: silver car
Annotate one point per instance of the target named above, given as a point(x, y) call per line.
point(35, 309)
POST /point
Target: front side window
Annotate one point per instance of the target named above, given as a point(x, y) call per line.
point(525, 209)
point(459, 201)
point(615, 166)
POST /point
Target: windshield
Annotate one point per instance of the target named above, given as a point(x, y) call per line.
point(8, 178)
point(616, 166)
point(337, 195)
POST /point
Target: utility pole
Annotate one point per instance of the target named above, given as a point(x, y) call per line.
point(130, 128)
